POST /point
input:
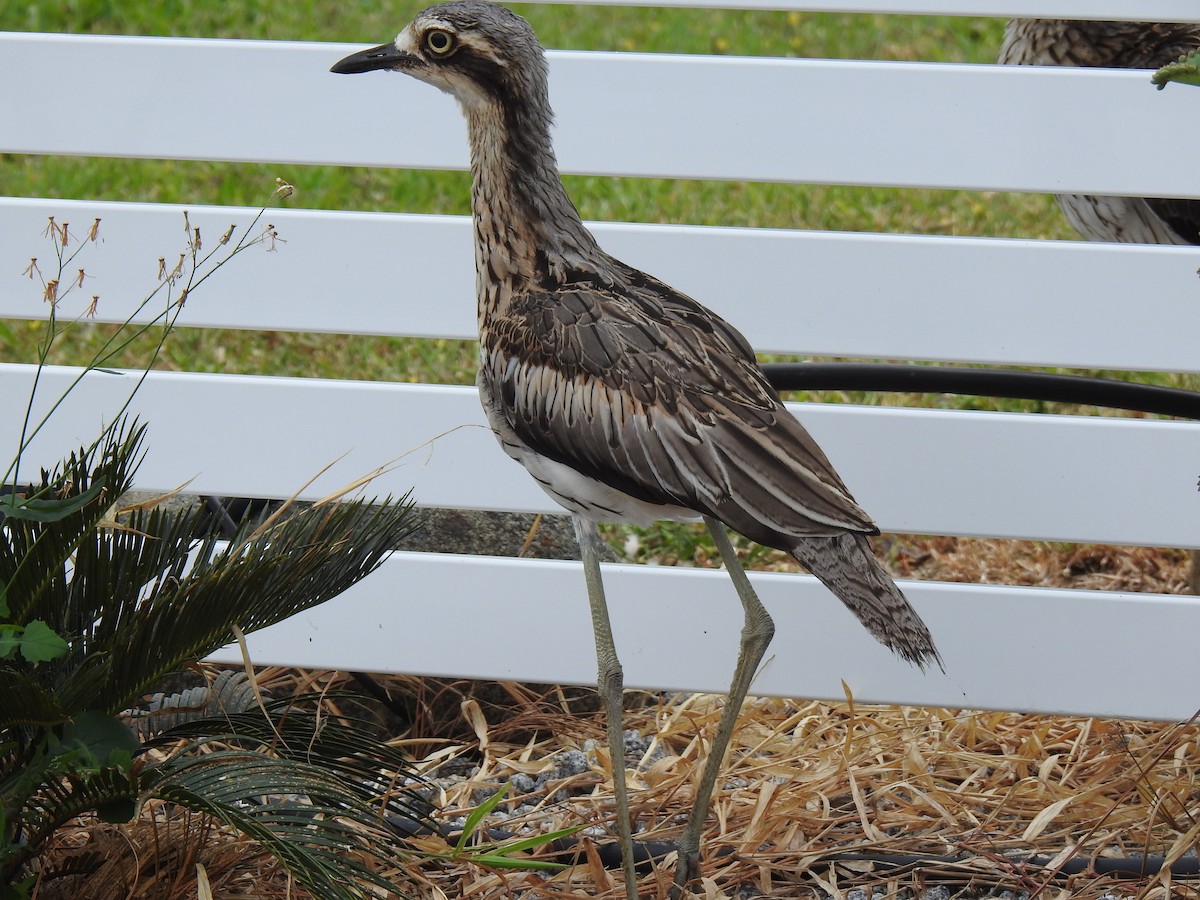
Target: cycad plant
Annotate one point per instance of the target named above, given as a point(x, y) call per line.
point(96, 610)
point(136, 600)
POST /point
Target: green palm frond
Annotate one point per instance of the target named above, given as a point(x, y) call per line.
point(326, 832)
point(331, 802)
point(113, 791)
point(143, 598)
point(36, 550)
point(261, 577)
point(136, 601)
point(26, 702)
point(368, 768)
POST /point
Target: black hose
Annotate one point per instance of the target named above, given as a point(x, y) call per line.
point(897, 377)
point(894, 377)
point(220, 517)
point(567, 851)
point(1116, 866)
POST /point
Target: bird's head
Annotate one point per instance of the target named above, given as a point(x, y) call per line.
point(481, 53)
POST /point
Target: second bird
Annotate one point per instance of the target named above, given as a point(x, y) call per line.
point(1113, 45)
point(625, 399)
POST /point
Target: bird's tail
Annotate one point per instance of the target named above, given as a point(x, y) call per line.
point(845, 564)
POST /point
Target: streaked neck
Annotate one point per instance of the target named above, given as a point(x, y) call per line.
point(526, 227)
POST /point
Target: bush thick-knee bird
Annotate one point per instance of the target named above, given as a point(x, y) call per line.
point(1116, 45)
point(623, 398)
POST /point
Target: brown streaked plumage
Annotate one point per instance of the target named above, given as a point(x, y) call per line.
point(1121, 45)
point(623, 398)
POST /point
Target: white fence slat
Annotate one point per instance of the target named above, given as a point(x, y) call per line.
point(1120, 481)
point(815, 293)
point(943, 126)
point(676, 629)
point(1068, 478)
point(905, 124)
point(334, 272)
point(1145, 11)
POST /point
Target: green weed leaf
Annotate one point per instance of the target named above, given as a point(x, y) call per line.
point(477, 815)
point(14, 506)
point(493, 861)
point(499, 856)
point(119, 812)
point(532, 843)
point(100, 739)
point(38, 642)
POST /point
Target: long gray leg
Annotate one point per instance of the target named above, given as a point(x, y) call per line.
point(609, 683)
point(756, 635)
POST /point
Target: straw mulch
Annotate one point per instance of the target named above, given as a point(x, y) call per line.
point(812, 790)
point(817, 799)
point(808, 791)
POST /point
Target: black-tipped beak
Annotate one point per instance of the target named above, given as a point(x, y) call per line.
point(385, 56)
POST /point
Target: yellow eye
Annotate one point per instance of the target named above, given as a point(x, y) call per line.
point(439, 42)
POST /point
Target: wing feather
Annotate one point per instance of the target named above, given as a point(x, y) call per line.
point(646, 391)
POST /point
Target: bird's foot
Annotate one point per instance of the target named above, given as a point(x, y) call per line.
point(687, 870)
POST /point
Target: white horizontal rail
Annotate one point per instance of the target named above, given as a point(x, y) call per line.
point(676, 629)
point(1066, 478)
point(1145, 11)
point(918, 125)
point(905, 124)
point(1007, 302)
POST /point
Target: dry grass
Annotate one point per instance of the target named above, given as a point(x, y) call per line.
point(1100, 567)
point(159, 858)
point(809, 788)
point(1090, 566)
point(810, 785)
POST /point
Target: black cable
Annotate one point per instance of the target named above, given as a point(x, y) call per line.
point(220, 517)
point(897, 377)
point(568, 852)
point(893, 377)
point(1116, 866)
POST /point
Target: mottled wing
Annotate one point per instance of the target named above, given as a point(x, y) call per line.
point(646, 391)
point(1107, 44)
point(1183, 216)
point(1144, 45)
